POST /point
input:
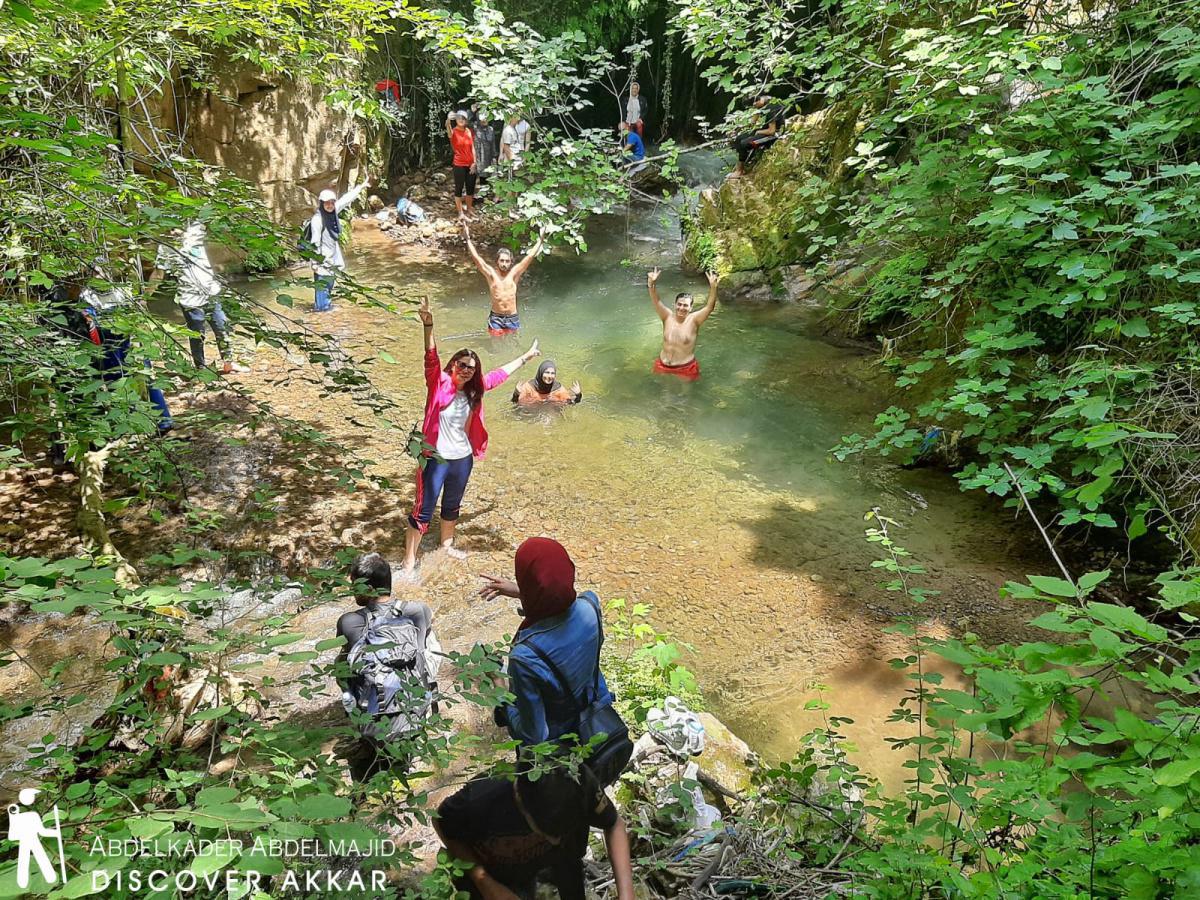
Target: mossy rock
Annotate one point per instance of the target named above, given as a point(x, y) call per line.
point(740, 254)
point(751, 216)
point(726, 757)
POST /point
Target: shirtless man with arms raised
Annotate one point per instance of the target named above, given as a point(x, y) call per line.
point(678, 356)
point(502, 282)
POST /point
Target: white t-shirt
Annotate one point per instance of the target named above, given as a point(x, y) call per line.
point(197, 282)
point(452, 440)
point(633, 110)
point(510, 137)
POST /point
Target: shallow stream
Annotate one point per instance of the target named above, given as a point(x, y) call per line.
point(717, 501)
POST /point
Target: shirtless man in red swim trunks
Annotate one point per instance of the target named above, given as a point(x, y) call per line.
point(678, 356)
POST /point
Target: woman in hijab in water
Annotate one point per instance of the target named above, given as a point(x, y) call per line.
point(544, 387)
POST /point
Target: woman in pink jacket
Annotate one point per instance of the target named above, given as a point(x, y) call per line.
point(454, 426)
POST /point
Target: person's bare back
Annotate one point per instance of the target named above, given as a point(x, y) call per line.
point(502, 278)
point(681, 326)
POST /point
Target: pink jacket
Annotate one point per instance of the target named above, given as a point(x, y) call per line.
point(441, 394)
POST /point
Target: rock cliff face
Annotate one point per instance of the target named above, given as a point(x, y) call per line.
point(274, 132)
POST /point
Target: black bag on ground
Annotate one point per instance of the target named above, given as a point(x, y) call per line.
point(598, 717)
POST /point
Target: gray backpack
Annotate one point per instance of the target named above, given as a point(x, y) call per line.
point(390, 683)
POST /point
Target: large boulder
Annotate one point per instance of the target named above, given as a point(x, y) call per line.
point(726, 757)
point(751, 224)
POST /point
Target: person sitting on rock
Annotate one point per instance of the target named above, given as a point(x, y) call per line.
point(632, 144)
point(680, 328)
point(511, 831)
point(760, 138)
point(544, 387)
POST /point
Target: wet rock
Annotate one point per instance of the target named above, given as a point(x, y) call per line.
point(746, 285)
point(250, 604)
point(798, 286)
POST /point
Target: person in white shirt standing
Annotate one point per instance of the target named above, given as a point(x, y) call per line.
point(510, 143)
point(326, 230)
point(635, 110)
point(524, 134)
point(198, 293)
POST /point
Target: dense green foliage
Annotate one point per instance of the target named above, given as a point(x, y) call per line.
point(1023, 193)
point(1061, 767)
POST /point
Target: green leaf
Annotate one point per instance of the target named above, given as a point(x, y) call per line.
point(1064, 231)
point(1124, 619)
point(205, 714)
point(164, 658)
point(1055, 587)
point(1177, 772)
point(206, 863)
point(324, 806)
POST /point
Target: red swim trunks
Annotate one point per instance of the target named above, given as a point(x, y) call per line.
point(689, 371)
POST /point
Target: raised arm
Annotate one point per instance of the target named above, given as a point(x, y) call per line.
point(427, 324)
point(701, 314)
point(519, 268)
point(350, 196)
point(533, 351)
point(480, 263)
point(651, 283)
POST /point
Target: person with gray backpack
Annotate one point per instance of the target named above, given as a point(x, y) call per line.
point(393, 657)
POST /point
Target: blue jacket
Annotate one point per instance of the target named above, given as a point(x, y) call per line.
point(541, 711)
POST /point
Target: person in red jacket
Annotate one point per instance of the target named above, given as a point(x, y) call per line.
point(453, 426)
point(462, 142)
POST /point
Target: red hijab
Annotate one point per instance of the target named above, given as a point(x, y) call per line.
point(546, 577)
